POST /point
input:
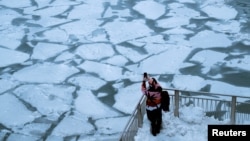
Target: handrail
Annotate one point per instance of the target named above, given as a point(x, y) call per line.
point(202, 92)
point(135, 122)
point(138, 112)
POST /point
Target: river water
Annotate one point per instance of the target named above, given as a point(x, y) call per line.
point(31, 26)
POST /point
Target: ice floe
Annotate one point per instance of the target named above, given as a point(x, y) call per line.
point(241, 63)
point(87, 104)
point(208, 39)
point(188, 82)
point(86, 81)
point(150, 9)
point(10, 57)
point(220, 12)
point(79, 126)
point(14, 4)
point(130, 96)
point(45, 73)
point(14, 117)
point(95, 51)
point(56, 98)
point(44, 51)
point(120, 31)
point(105, 71)
point(208, 58)
point(165, 62)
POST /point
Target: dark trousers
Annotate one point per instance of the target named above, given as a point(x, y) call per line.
point(155, 117)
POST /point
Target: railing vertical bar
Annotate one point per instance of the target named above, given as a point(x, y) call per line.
point(233, 109)
point(176, 108)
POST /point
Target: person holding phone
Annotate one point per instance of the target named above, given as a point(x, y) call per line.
point(153, 103)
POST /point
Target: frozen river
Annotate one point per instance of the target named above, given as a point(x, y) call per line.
point(71, 69)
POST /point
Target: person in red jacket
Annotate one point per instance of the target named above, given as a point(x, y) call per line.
point(153, 103)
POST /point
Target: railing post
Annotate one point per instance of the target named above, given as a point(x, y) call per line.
point(233, 110)
point(176, 107)
point(140, 117)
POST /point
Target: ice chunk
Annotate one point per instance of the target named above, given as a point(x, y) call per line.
point(222, 12)
point(45, 73)
point(150, 9)
point(76, 27)
point(226, 27)
point(172, 22)
point(155, 48)
point(112, 125)
point(155, 39)
point(127, 98)
point(242, 63)
point(188, 82)
point(206, 39)
point(89, 105)
point(6, 84)
point(204, 57)
point(34, 129)
point(131, 54)
point(165, 62)
point(180, 10)
point(225, 88)
point(79, 126)
point(45, 21)
point(64, 56)
point(21, 137)
point(49, 11)
point(9, 42)
point(6, 16)
point(88, 82)
point(42, 3)
point(51, 100)
point(87, 11)
point(95, 51)
point(178, 30)
point(187, 1)
point(130, 30)
point(105, 71)
point(117, 60)
point(56, 35)
point(44, 51)
point(9, 57)
point(14, 4)
point(17, 116)
point(113, 12)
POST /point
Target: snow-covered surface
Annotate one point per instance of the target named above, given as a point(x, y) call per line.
point(72, 69)
point(190, 126)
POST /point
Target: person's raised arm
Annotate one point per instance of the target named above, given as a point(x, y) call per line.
point(143, 86)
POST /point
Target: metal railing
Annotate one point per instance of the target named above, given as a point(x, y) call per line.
point(135, 122)
point(219, 106)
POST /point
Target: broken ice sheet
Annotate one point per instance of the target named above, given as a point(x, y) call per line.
point(150, 9)
point(44, 51)
point(88, 104)
point(95, 51)
point(207, 39)
point(105, 71)
point(87, 81)
point(45, 73)
point(131, 30)
point(16, 57)
point(50, 100)
point(14, 117)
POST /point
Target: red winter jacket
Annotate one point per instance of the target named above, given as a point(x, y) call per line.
point(153, 94)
